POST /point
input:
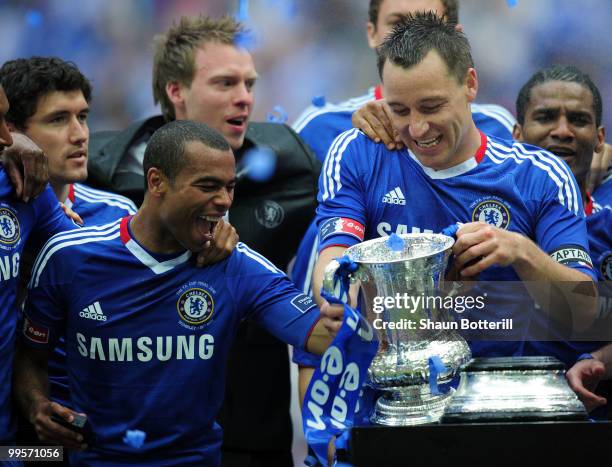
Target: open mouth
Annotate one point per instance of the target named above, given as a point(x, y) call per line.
point(206, 226)
point(237, 121)
point(429, 143)
point(565, 153)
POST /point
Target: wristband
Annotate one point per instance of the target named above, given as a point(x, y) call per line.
point(585, 356)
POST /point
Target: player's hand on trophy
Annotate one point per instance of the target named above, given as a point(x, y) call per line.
point(480, 245)
point(583, 378)
point(374, 120)
point(70, 214)
point(27, 167)
point(225, 239)
point(51, 431)
point(331, 317)
point(601, 163)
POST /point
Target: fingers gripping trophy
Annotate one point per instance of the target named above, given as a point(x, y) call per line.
point(417, 350)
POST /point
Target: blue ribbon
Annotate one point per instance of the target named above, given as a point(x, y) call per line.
point(333, 396)
point(436, 366)
point(451, 230)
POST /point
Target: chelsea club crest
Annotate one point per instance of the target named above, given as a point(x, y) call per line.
point(492, 212)
point(9, 227)
point(195, 306)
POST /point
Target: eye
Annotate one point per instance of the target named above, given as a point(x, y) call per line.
point(543, 118)
point(250, 83)
point(58, 119)
point(580, 120)
point(83, 117)
point(430, 109)
point(208, 188)
point(400, 111)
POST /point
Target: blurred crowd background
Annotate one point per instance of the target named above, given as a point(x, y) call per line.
point(304, 48)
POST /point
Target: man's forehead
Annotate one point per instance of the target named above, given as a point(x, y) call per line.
point(199, 153)
point(217, 57)
point(561, 93)
point(54, 99)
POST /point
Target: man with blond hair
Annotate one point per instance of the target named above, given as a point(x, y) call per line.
point(200, 73)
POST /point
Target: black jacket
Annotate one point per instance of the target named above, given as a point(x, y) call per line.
point(271, 218)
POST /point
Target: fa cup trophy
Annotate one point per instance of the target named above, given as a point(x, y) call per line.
point(419, 347)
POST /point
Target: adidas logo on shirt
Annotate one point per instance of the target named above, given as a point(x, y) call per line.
point(395, 196)
point(93, 311)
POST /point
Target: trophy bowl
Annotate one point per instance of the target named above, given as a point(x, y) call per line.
point(400, 285)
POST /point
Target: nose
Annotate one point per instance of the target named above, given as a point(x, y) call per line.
point(5, 135)
point(224, 199)
point(244, 96)
point(418, 127)
point(562, 130)
point(79, 132)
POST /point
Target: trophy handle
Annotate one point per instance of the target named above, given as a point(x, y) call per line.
point(329, 276)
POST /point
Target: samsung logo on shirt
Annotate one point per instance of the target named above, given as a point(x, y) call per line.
point(145, 349)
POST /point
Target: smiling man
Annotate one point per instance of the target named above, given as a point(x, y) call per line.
point(518, 204)
point(155, 356)
point(201, 72)
point(560, 109)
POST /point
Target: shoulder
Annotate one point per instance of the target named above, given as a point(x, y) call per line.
point(327, 114)
point(495, 112)
point(536, 170)
point(245, 260)
point(356, 143)
point(106, 198)
point(67, 250)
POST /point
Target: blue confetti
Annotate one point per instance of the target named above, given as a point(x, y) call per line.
point(245, 40)
point(34, 18)
point(278, 115)
point(395, 242)
point(242, 14)
point(134, 438)
point(512, 3)
point(260, 164)
point(318, 101)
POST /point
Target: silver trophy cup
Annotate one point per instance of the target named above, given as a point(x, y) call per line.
point(409, 331)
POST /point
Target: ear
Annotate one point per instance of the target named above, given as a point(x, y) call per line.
point(176, 94)
point(601, 139)
point(157, 183)
point(471, 82)
point(12, 128)
point(517, 132)
point(371, 33)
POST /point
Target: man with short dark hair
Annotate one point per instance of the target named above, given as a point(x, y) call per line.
point(201, 73)
point(560, 109)
point(51, 106)
point(148, 333)
point(517, 204)
point(319, 125)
